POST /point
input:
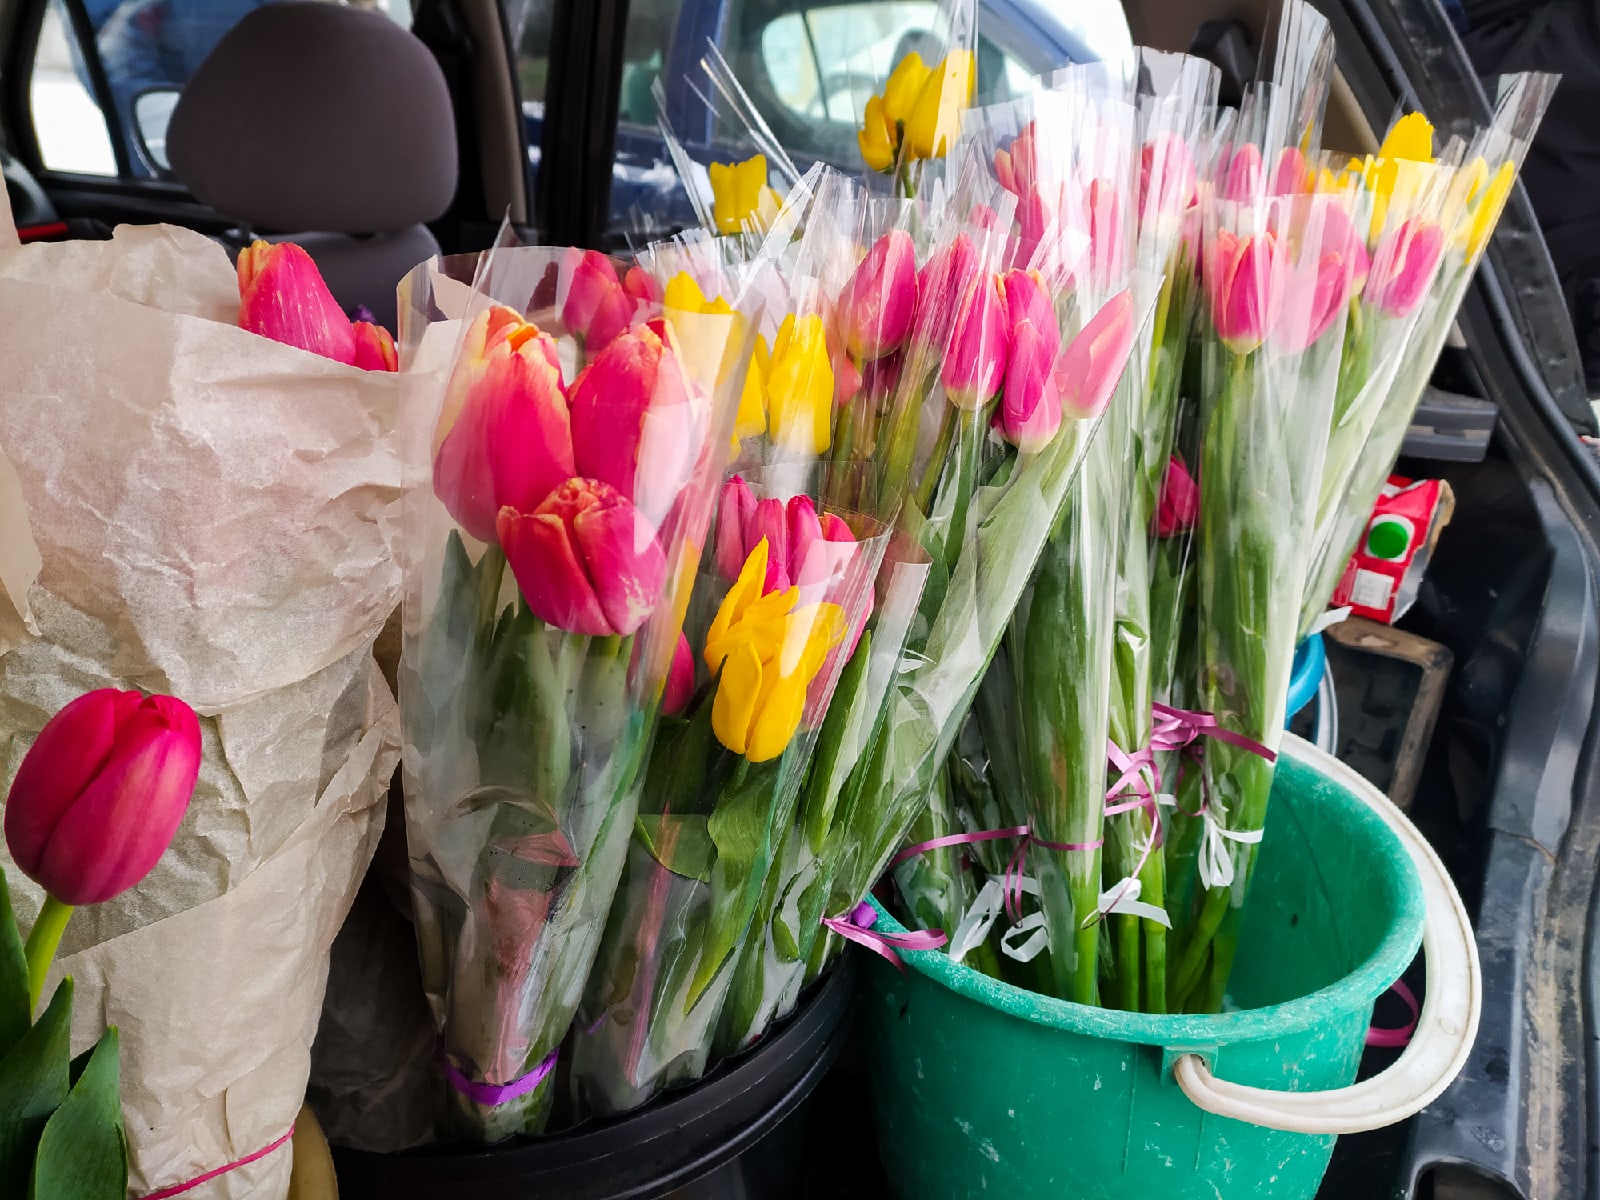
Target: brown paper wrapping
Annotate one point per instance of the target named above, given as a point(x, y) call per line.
point(212, 514)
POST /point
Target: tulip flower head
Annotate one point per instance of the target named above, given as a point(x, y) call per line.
point(1244, 283)
point(765, 650)
point(805, 548)
point(1403, 267)
point(101, 793)
point(1242, 180)
point(943, 283)
point(1166, 177)
point(919, 113)
point(636, 423)
point(282, 296)
point(1179, 506)
point(936, 117)
point(1089, 368)
point(508, 441)
point(680, 680)
point(878, 304)
point(586, 560)
point(1333, 269)
point(1030, 408)
point(975, 358)
point(597, 306)
point(1017, 168)
point(800, 387)
point(1484, 203)
point(740, 197)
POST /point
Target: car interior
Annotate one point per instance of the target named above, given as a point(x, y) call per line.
point(376, 135)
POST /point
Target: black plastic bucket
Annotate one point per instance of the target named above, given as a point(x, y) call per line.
point(743, 1131)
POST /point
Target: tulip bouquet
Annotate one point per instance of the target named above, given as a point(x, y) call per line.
point(574, 460)
point(93, 806)
point(769, 629)
point(211, 511)
point(1436, 222)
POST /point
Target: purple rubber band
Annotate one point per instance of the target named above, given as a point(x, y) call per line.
point(491, 1095)
point(856, 926)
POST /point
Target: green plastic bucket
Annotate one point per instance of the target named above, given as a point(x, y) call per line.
point(983, 1089)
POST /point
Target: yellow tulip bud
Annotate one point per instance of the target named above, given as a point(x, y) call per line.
point(936, 118)
point(877, 137)
point(904, 85)
point(740, 196)
point(800, 387)
point(1486, 209)
point(1410, 138)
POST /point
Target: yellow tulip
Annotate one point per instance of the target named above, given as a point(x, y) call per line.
point(799, 381)
point(936, 118)
point(904, 85)
point(740, 197)
point(1410, 138)
point(704, 348)
point(878, 138)
point(1485, 209)
point(768, 652)
point(752, 415)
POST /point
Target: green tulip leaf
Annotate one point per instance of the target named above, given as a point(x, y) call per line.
point(680, 844)
point(741, 827)
point(83, 1152)
point(34, 1082)
point(16, 1018)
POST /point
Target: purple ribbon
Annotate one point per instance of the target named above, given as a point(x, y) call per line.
point(956, 839)
point(1393, 1038)
point(491, 1095)
point(856, 926)
point(1176, 728)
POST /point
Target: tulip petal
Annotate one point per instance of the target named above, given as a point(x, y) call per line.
point(746, 588)
point(553, 581)
point(282, 296)
point(733, 710)
point(777, 718)
point(679, 687)
point(623, 561)
point(374, 348)
point(1089, 368)
point(737, 506)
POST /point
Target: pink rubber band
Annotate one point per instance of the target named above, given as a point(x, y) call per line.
point(181, 1188)
point(1393, 1038)
point(956, 839)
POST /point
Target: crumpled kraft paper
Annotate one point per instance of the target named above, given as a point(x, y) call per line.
point(213, 515)
point(19, 558)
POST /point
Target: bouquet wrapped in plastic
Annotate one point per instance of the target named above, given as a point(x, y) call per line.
point(574, 456)
point(769, 628)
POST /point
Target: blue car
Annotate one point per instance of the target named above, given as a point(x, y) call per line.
point(808, 67)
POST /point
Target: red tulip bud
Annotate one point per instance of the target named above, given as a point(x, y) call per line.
point(635, 424)
point(1179, 505)
point(101, 793)
point(680, 680)
point(282, 297)
point(585, 559)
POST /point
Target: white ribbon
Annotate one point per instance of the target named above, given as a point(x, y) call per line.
point(1216, 862)
point(1123, 898)
point(981, 915)
point(1332, 617)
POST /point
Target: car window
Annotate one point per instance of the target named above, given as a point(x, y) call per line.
point(147, 51)
point(808, 67)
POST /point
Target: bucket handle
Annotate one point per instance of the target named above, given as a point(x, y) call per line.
point(1445, 1030)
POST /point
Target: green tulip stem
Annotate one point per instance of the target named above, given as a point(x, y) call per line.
point(43, 939)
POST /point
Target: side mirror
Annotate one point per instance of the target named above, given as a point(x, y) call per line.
point(152, 109)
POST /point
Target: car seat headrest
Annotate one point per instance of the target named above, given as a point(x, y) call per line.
point(309, 115)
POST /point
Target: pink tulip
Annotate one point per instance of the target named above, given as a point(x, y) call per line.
point(101, 792)
point(642, 286)
point(374, 348)
point(586, 560)
point(1017, 168)
point(282, 297)
point(1290, 177)
point(771, 521)
point(1244, 282)
point(942, 283)
point(511, 443)
point(1030, 408)
point(847, 377)
point(1179, 505)
point(877, 306)
point(820, 548)
point(1166, 176)
point(1089, 368)
point(634, 423)
point(734, 513)
point(975, 358)
point(1316, 296)
point(680, 680)
point(597, 307)
point(1105, 231)
point(1403, 267)
point(1243, 178)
